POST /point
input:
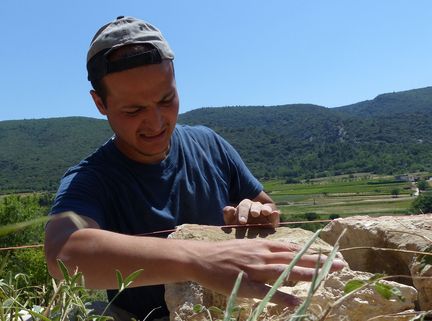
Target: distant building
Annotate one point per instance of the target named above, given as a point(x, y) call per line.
point(406, 178)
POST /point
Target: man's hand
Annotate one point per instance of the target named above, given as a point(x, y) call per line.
point(251, 212)
point(216, 266)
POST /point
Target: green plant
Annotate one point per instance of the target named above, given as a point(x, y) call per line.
point(395, 192)
point(19, 212)
point(311, 216)
point(62, 300)
point(385, 290)
point(422, 204)
point(30, 262)
point(65, 300)
point(422, 185)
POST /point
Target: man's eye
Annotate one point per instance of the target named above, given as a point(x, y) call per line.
point(167, 101)
point(132, 112)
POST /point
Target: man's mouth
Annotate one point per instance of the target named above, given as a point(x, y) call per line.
point(153, 137)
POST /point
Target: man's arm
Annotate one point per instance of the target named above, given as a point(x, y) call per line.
point(98, 253)
point(261, 209)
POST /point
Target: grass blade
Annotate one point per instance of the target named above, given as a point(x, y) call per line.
point(260, 308)
point(11, 228)
point(233, 297)
point(316, 281)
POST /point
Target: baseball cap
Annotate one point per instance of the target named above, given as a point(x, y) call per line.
point(121, 32)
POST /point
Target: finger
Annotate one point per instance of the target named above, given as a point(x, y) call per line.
point(338, 264)
point(229, 215)
point(255, 209)
point(242, 212)
point(274, 218)
point(278, 246)
point(268, 273)
point(266, 210)
point(250, 289)
point(307, 260)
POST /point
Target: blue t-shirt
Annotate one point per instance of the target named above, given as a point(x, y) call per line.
point(200, 176)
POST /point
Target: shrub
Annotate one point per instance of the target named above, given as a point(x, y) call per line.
point(422, 204)
point(19, 208)
point(311, 216)
point(422, 185)
point(334, 216)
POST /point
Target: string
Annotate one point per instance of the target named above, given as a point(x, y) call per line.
point(262, 225)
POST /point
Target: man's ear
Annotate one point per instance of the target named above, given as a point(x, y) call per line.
point(98, 102)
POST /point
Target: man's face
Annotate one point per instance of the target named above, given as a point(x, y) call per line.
point(142, 107)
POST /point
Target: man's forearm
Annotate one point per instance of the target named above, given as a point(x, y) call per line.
point(98, 253)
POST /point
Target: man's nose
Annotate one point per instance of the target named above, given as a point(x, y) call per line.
point(154, 119)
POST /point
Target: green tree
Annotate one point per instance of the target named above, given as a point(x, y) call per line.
point(422, 185)
point(422, 204)
point(311, 216)
point(395, 192)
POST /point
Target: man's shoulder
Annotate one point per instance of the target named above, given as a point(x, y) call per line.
point(197, 133)
point(194, 130)
point(98, 159)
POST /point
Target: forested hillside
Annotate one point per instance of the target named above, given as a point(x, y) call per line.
point(35, 153)
point(389, 134)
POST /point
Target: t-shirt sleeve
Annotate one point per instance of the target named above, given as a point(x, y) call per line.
point(243, 183)
point(80, 192)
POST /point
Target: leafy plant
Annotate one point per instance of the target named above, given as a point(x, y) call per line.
point(422, 204)
point(67, 299)
point(63, 300)
point(383, 289)
point(422, 185)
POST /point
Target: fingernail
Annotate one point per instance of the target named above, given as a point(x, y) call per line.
point(340, 263)
point(242, 219)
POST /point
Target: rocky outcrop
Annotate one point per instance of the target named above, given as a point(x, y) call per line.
point(181, 298)
point(388, 245)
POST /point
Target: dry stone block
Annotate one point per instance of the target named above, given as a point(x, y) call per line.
point(413, 233)
point(182, 297)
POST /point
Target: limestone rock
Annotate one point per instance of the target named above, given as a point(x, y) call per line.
point(182, 297)
point(362, 305)
point(413, 233)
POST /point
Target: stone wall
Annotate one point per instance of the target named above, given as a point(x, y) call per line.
point(363, 305)
point(393, 242)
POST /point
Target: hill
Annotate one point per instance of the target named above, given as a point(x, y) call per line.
point(389, 134)
point(411, 101)
point(35, 153)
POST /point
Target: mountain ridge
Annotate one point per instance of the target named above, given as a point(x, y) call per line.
point(388, 134)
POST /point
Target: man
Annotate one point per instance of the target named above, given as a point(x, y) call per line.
point(154, 175)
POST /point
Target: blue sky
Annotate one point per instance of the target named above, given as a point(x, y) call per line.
point(228, 53)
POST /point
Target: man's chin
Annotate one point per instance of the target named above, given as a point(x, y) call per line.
point(157, 154)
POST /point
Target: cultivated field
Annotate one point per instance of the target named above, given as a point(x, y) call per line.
point(343, 196)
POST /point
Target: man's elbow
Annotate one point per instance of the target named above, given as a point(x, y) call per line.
point(59, 243)
point(52, 257)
